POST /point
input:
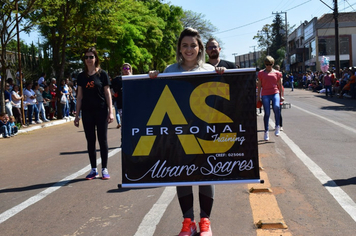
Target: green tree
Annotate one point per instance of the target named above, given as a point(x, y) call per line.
point(148, 39)
point(71, 26)
point(277, 49)
point(8, 30)
point(264, 41)
point(271, 40)
point(164, 51)
point(141, 30)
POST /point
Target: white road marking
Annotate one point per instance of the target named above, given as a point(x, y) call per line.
point(17, 209)
point(344, 200)
point(153, 217)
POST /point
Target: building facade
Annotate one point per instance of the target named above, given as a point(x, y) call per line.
point(314, 39)
point(247, 60)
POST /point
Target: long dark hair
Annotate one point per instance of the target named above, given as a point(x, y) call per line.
point(97, 60)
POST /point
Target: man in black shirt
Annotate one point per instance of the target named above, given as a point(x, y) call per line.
point(213, 50)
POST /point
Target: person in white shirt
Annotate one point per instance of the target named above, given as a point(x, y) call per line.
point(16, 100)
point(41, 80)
point(31, 103)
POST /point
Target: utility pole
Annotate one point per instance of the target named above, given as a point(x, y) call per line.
point(19, 58)
point(337, 50)
point(235, 54)
point(254, 54)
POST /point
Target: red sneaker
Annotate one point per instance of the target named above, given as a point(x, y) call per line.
point(189, 228)
point(205, 229)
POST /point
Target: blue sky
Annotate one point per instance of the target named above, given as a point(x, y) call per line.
point(239, 20)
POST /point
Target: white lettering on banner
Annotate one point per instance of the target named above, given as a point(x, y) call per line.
point(158, 170)
point(135, 131)
point(163, 171)
point(231, 139)
point(179, 130)
point(225, 168)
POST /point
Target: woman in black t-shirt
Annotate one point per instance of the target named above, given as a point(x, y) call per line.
point(94, 102)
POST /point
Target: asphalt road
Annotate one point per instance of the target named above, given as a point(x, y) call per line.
point(310, 170)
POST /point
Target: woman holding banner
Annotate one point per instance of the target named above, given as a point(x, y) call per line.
point(270, 81)
point(190, 56)
point(94, 100)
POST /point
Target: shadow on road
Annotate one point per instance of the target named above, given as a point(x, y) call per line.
point(41, 186)
point(346, 104)
point(120, 189)
point(341, 182)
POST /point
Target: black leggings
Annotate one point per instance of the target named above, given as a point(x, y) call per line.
point(206, 199)
point(91, 120)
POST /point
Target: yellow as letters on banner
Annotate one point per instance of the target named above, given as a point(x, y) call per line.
point(167, 104)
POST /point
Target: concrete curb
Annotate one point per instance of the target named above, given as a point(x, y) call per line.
point(45, 125)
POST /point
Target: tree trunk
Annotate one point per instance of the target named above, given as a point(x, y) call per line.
point(3, 80)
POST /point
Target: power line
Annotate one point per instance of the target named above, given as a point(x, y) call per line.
point(298, 5)
point(349, 5)
point(244, 25)
point(258, 20)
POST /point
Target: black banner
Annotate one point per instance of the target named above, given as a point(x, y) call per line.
point(196, 128)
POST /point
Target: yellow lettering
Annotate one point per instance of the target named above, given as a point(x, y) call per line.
point(144, 146)
point(201, 109)
point(167, 105)
point(190, 144)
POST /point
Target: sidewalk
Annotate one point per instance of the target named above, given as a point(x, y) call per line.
point(43, 125)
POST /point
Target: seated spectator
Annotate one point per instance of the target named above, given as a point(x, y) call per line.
point(344, 78)
point(5, 128)
point(353, 84)
point(336, 87)
point(315, 85)
point(13, 126)
point(346, 90)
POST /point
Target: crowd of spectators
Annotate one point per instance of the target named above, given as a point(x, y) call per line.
point(40, 101)
point(318, 82)
point(44, 100)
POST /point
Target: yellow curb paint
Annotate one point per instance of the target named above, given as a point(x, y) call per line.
point(265, 209)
